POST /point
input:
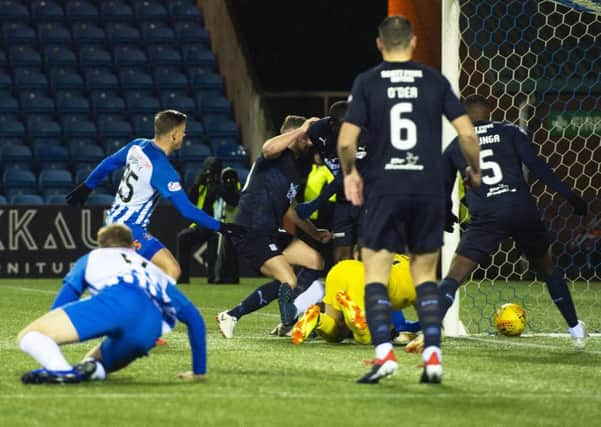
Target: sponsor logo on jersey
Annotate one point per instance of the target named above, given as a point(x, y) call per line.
point(174, 186)
point(410, 162)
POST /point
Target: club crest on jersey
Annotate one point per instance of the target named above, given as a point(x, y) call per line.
point(292, 192)
point(174, 186)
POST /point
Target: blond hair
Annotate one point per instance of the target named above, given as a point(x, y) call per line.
point(292, 122)
point(114, 236)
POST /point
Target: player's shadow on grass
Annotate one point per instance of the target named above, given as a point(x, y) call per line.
point(572, 358)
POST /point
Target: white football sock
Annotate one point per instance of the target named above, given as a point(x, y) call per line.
point(428, 352)
point(382, 350)
point(100, 373)
point(43, 349)
point(312, 295)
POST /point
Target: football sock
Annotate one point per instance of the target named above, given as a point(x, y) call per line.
point(403, 325)
point(429, 312)
point(447, 289)
point(377, 312)
point(312, 295)
point(257, 299)
point(43, 349)
point(328, 329)
point(304, 278)
point(428, 352)
point(560, 294)
point(100, 372)
point(382, 350)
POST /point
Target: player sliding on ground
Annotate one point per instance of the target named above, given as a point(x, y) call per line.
point(344, 304)
point(132, 302)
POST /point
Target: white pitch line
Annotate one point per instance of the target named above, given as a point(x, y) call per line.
point(530, 345)
point(19, 288)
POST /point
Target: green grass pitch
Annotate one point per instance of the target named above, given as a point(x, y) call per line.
point(258, 380)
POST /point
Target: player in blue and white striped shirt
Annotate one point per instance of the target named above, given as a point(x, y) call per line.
point(132, 302)
point(149, 175)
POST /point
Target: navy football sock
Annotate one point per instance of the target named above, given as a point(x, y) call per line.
point(377, 311)
point(560, 294)
point(304, 278)
point(447, 289)
point(429, 312)
point(258, 298)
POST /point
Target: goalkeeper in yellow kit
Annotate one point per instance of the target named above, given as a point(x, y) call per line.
point(344, 302)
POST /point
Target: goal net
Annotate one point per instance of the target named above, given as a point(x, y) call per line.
point(539, 63)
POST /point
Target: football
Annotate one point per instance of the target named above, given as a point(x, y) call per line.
point(510, 319)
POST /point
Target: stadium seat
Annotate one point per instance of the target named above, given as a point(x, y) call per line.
point(155, 33)
point(92, 56)
point(3, 60)
point(107, 102)
point(91, 154)
point(120, 33)
point(3, 200)
point(24, 56)
point(5, 141)
point(33, 101)
point(194, 128)
point(164, 55)
point(16, 155)
point(101, 78)
point(228, 144)
point(99, 199)
point(26, 199)
point(183, 10)
point(167, 78)
point(191, 33)
point(212, 102)
point(53, 33)
point(59, 56)
point(42, 126)
point(143, 125)
point(81, 10)
point(134, 78)
point(19, 179)
point(44, 142)
point(112, 145)
point(116, 11)
point(198, 55)
point(129, 56)
point(55, 178)
point(8, 103)
point(75, 143)
point(150, 10)
point(65, 78)
point(113, 126)
point(193, 155)
point(193, 140)
point(18, 34)
point(46, 11)
point(72, 102)
point(55, 198)
point(207, 81)
point(30, 78)
point(141, 102)
point(218, 125)
point(10, 126)
point(77, 125)
point(177, 101)
point(6, 82)
point(13, 11)
point(88, 33)
point(242, 174)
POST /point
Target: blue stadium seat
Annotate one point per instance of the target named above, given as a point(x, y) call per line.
point(177, 101)
point(24, 56)
point(101, 78)
point(192, 33)
point(30, 78)
point(55, 178)
point(150, 10)
point(193, 155)
point(88, 33)
point(183, 10)
point(81, 10)
point(167, 78)
point(242, 174)
point(94, 56)
point(3, 60)
point(193, 140)
point(13, 11)
point(53, 33)
point(98, 199)
point(3, 200)
point(77, 125)
point(198, 55)
point(113, 126)
point(219, 125)
point(55, 198)
point(82, 171)
point(233, 157)
point(77, 142)
point(212, 102)
point(11, 127)
point(156, 33)
point(8, 104)
point(64, 78)
point(112, 145)
point(59, 56)
point(72, 102)
point(116, 11)
point(143, 125)
point(18, 33)
point(129, 56)
point(5, 141)
point(44, 142)
point(15, 155)
point(33, 101)
point(224, 143)
point(207, 81)
point(194, 128)
point(107, 102)
point(6, 82)
point(164, 55)
point(134, 78)
point(141, 102)
point(42, 126)
point(26, 200)
point(46, 11)
point(51, 156)
point(118, 33)
point(91, 154)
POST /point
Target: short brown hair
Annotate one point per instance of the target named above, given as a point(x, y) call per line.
point(292, 122)
point(395, 32)
point(166, 121)
point(114, 236)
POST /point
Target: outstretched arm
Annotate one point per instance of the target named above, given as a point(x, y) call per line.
point(74, 284)
point(305, 210)
point(105, 167)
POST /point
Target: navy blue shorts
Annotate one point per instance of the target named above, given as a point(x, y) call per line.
point(256, 247)
point(145, 243)
point(346, 220)
point(400, 223)
point(125, 315)
point(486, 232)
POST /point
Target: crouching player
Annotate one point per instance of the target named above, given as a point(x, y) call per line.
point(132, 301)
point(344, 303)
